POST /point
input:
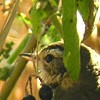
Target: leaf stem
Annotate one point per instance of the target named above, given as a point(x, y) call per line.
point(19, 67)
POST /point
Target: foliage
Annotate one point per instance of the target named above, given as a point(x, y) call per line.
point(5, 71)
point(5, 51)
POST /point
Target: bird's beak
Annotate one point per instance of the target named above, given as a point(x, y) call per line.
point(28, 56)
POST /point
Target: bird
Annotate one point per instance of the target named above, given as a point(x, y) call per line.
point(54, 74)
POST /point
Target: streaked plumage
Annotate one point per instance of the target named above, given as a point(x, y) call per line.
point(53, 72)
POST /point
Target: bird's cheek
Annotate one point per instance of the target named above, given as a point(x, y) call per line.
point(40, 64)
point(47, 67)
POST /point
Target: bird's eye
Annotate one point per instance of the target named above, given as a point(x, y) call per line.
point(49, 58)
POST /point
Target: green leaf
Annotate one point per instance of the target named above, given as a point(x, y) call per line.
point(53, 3)
point(37, 15)
point(51, 36)
point(5, 71)
point(83, 7)
point(71, 39)
point(23, 18)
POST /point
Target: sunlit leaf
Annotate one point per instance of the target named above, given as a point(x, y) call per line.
point(51, 36)
point(24, 19)
point(37, 15)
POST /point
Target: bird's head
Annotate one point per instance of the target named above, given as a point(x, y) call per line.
point(51, 66)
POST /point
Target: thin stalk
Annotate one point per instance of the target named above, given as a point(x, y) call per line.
point(57, 25)
point(16, 52)
point(19, 67)
point(8, 23)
